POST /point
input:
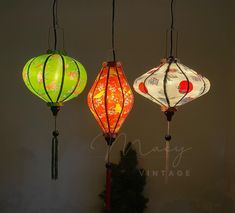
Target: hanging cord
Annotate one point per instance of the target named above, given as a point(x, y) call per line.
point(171, 35)
point(171, 29)
point(55, 22)
point(113, 31)
point(56, 29)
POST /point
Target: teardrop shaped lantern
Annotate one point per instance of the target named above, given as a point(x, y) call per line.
point(55, 78)
point(110, 100)
point(170, 85)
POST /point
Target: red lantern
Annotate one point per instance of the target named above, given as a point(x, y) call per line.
point(110, 99)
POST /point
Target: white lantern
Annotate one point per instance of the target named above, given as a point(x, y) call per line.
point(171, 84)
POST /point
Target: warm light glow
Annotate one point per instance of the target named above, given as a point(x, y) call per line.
point(171, 84)
point(54, 78)
point(110, 98)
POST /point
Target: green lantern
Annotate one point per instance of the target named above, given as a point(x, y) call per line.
point(55, 78)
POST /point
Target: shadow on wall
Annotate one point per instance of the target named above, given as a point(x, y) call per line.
point(209, 202)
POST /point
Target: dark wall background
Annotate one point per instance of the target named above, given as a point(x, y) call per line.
point(206, 125)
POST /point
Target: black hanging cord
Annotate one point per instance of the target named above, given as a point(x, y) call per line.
point(113, 31)
point(172, 28)
point(55, 22)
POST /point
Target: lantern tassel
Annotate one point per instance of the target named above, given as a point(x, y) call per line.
point(167, 151)
point(108, 179)
point(167, 161)
point(54, 146)
point(169, 114)
point(54, 156)
point(108, 187)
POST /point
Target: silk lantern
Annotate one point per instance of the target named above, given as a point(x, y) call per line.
point(171, 84)
point(55, 78)
point(110, 100)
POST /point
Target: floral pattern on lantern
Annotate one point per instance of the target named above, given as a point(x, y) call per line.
point(55, 78)
point(110, 98)
point(171, 84)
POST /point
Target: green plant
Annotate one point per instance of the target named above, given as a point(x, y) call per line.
point(127, 184)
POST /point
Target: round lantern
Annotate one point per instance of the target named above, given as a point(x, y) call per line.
point(110, 99)
point(55, 78)
point(171, 84)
